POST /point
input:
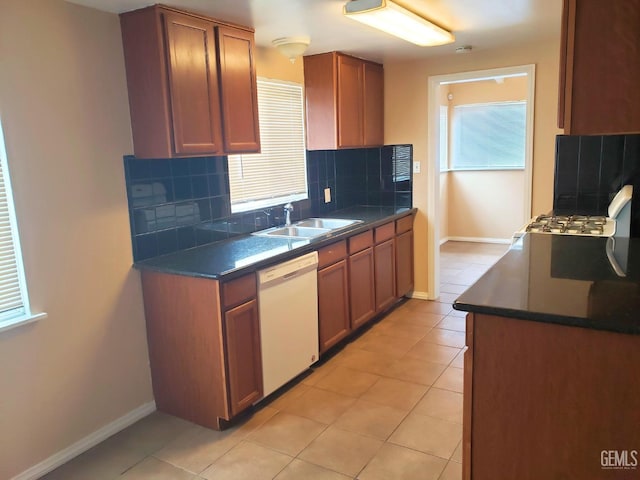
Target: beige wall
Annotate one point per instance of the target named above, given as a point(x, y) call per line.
point(270, 63)
point(64, 108)
point(406, 91)
point(485, 204)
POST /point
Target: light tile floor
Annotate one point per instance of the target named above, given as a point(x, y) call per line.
point(386, 407)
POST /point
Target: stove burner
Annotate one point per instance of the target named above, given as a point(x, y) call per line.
point(569, 224)
point(555, 227)
point(593, 228)
point(535, 227)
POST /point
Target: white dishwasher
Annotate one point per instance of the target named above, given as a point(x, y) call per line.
point(288, 304)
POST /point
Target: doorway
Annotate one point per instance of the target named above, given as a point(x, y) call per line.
point(467, 98)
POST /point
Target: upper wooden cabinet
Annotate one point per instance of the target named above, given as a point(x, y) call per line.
point(345, 102)
point(599, 67)
point(191, 82)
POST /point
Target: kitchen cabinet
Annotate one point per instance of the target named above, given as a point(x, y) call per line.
point(404, 255)
point(384, 266)
point(191, 83)
point(373, 104)
point(238, 93)
point(361, 279)
point(333, 295)
point(242, 337)
point(344, 102)
point(204, 345)
point(599, 67)
point(564, 395)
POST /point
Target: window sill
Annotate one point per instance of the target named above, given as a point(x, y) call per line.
point(21, 320)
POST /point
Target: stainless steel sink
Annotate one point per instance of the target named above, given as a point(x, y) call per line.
point(330, 223)
point(309, 228)
point(294, 231)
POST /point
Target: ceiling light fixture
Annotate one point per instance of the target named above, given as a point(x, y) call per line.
point(291, 47)
point(396, 20)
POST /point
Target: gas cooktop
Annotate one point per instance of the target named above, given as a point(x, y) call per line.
point(585, 225)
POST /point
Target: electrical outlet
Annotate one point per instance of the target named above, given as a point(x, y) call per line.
point(327, 195)
point(416, 167)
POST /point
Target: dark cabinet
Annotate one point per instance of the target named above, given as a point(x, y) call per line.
point(333, 304)
point(238, 92)
point(384, 265)
point(361, 287)
point(204, 345)
point(373, 104)
point(349, 101)
point(242, 335)
point(599, 67)
point(344, 102)
point(404, 255)
point(191, 83)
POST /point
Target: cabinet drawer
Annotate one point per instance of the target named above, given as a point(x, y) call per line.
point(332, 253)
point(404, 224)
point(360, 241)
point(238, 291)
point(385, 232)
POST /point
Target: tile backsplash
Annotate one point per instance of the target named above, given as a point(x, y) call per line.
point(175, 204)
point(590, 169)
point(363, 176)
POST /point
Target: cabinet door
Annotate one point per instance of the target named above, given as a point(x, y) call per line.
point(404, 263)
point(385, 274)
point(373, 105)
point(242, 334)
point(238, 92)
point(333, 304)
point(193, 84)
point(361, 288)
point(349, 102)
point(600, 67)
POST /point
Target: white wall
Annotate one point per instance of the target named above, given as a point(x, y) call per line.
point(63, 103)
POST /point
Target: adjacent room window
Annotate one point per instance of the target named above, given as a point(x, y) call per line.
point(14, 301)
point(489, 136)
point(278, 174)
point(444, 138)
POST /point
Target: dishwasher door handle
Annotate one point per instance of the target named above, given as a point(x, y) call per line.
point(291, 274)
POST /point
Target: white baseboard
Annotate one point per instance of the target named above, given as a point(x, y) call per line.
point(421, 295)
point(81, 446)
point(505, 241)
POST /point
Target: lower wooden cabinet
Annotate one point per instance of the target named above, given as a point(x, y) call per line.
point(333, 304)
point(404, 263)
point(244, 361)
point(204, 345)
point(564, 397)
point(361, 287)
point(385, 274)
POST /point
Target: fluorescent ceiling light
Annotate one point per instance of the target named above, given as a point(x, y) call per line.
point(396, 20)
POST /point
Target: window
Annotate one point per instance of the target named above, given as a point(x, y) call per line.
point(14, 301)
point(444, 138)
point(489, 136)
point(278, 174)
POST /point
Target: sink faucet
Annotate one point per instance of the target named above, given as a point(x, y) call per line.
point(288, 208)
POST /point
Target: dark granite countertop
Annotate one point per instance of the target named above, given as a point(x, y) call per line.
point(240, 255)
point(563, 279)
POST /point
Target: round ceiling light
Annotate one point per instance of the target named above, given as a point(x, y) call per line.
point(292, 47)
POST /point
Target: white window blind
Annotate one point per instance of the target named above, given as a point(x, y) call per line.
point(489, 136)
point(13, 293)
point(277, 174)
